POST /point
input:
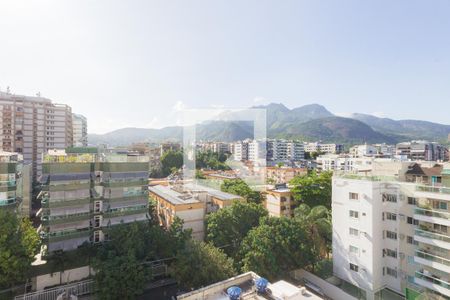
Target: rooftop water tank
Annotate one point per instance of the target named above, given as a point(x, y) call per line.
point(261, 285)
point(234, 292)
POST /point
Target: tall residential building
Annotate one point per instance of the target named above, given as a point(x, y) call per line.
point(285, 150)
point(240, 151)
point(15, 184)
point(87, 192)
point(423, 150)
point(79, 123)
point(391, 229)
point(33, 125)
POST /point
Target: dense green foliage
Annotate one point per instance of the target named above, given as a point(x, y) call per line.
point(19, 243)
point(211, 160)
point(317, 222)
point(241, 188)
point(119, 263)
point(171, 161)
point(200, 264)
point(228, 226)
point(312, 189)
point(276, 246)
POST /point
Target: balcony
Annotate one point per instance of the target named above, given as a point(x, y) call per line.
point(433, 192)
point(126, 211)
point(124, 183)
point(424, 258)
point(54, 220)
point(432, 216)
point(54, 203)
point(65, 235)
point(432, 238)
point(8, 202)
point(432, 282)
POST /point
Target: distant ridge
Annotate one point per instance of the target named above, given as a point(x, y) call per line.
point(309, 122)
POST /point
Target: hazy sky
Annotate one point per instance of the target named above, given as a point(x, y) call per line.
point(134, 63)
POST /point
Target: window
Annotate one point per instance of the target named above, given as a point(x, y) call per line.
point(391, 216)
point(354, 214)
point(390, 253)
point(440, 228)
point(391, 235)
point(412, 201)
point(389, 198)
point(354, 267)
point(353, 249)
point(440, 205)
point(353, 196)
point(353, 231)
point(410, 240)
point(412, 221)
point(391, 272)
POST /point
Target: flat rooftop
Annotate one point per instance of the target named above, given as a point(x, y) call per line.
point(171, 195)
point(246, 282)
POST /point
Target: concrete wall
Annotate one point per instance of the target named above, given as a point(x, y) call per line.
point(52, 279)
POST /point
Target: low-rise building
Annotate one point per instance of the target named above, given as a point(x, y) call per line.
point(250, 286)
point(323, 148)
point(279, 175)
point(190, 202)
point(279, 201)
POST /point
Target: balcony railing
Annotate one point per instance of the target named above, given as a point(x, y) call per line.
point(431, 257)
point(53, 220)
point(432, 279)
point(432, 213)
point(48, 203)
point(6, 202)
point(432, 235)
point(64, 235)
point(8, 183)
point(124, 183)
point(125, 212)
point(433, 189)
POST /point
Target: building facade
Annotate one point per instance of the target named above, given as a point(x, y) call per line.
point(422, 150)
point(325, 148)
point(15, 183)
point(87, 192)
point(79, 123)
point(33, 125)
point(391, 232)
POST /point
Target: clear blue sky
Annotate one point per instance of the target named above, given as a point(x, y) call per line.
point(133, 63)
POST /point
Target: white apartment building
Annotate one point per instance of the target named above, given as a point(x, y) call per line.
point(79, 123)
point(257, 151)
point(326, 148)
point(285, 150)
point(363, 150)
point(391, 232)
point(335, 162)
point(32, 126)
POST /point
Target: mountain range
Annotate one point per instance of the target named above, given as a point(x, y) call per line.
point(309, 123)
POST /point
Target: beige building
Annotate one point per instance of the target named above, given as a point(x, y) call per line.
point(189, 202)
point(279, 202)
point(283, 174)
point(33, 125)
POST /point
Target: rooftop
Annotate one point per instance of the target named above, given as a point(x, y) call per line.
point(246, 282)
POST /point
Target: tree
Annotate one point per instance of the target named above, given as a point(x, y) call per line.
point(119, 276)
point(19, 243)
point(228, 226)
point(317, 221)
point(171, 160)
point(200, 264)
point(276, 246)
point(241, 188)
point(312, 189)
point(211, 160)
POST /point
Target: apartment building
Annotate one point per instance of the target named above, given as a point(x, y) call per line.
point(363, 151)
point(240, 151)
point(283, 174)
point(86, 191)
point(342, 162)
point(423, 150)
point(33, 125)
point(390, 230)
point(190, 202)
point(285, 150)
point(279, 201)
point(216, 147)
point(79, 124)
point(15, 183)
point(325, 148)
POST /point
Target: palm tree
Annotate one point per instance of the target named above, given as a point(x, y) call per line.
point(317, 221)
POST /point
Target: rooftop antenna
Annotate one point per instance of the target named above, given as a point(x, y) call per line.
point(8, 90)
point(38, 94)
